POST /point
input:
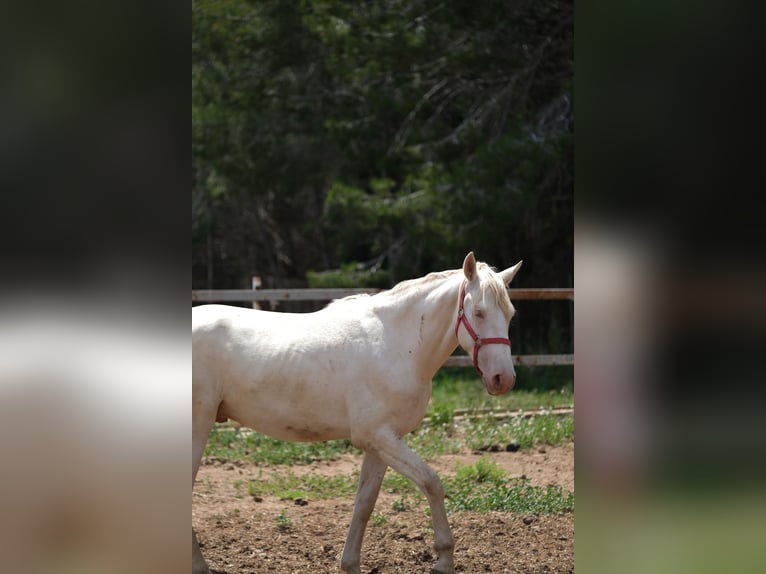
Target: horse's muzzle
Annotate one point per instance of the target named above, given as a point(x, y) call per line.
point(500, 383)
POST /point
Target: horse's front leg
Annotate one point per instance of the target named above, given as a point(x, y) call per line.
point(373, 469)
point(402, 459)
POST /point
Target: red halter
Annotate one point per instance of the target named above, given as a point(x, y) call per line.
point(478, 342)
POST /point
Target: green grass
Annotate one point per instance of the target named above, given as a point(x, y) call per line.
point(428, 441)
point(433, 440)
point(231, 444)
point(483, 486)
point(535, 387)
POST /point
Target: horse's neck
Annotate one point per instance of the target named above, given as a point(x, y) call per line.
point(430, 316)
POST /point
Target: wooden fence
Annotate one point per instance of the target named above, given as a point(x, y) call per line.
point(274, 295)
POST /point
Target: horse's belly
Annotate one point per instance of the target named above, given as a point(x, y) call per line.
point(293, 430)
point(306, 419)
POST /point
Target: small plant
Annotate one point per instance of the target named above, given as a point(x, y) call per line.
point(283, 521)
point(208, 484)
point(400, 504)
point(442, 415)
point(378, 519)
point(484, 470)
point(484, 487)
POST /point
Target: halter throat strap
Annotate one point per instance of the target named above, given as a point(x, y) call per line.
point(478, 342)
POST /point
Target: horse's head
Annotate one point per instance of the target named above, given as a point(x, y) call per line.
point(484, 315)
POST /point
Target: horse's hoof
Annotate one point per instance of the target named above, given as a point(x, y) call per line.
point(438, 571)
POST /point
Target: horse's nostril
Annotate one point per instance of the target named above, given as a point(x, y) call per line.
point(496, 381)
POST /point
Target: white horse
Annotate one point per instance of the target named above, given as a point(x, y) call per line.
point(359, 368)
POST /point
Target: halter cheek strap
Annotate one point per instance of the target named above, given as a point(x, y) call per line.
point(478, 342)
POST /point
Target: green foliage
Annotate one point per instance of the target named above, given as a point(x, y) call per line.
point(349, 275)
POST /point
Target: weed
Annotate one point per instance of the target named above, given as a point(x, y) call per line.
point(283, 521)
point(208, 484)
point(442, 415)
point(378, 519)
point(400, 504)
point(483, 470)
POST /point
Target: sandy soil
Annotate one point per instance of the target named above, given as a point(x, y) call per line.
point(240, 535)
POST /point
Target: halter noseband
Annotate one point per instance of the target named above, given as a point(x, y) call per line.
point(478, 342)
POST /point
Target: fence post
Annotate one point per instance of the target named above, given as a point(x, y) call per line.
point(256, 282)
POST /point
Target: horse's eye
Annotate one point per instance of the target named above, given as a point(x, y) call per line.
point(479, 314)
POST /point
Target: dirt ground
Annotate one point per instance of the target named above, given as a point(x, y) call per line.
point(240, 535)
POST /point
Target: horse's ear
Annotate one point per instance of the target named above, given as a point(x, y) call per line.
point(508, 274)
point(469, 266)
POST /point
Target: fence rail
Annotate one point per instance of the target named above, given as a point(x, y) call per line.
point(243, 295)
point(253, 295)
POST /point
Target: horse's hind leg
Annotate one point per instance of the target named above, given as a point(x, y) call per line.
point(202, 422)
point(373, 469)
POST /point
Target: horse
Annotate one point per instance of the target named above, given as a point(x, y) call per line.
point(359, 368)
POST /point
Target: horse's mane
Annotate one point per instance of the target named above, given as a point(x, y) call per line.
point(490, 280)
